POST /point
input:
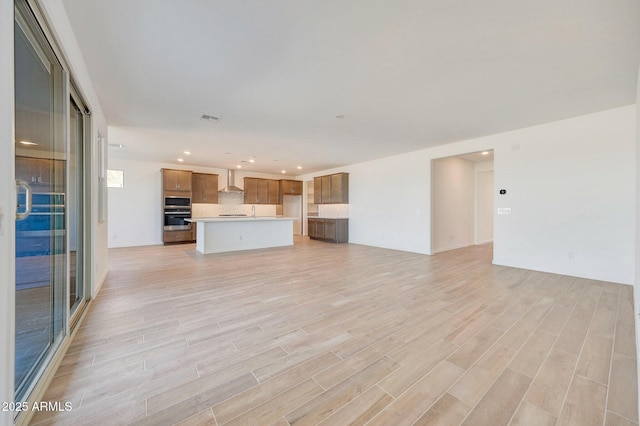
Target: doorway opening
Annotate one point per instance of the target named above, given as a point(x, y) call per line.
point(462, 201)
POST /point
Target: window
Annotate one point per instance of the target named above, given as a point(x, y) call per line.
point(115, 178)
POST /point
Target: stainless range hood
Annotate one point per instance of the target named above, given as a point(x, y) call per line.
point(231, 187)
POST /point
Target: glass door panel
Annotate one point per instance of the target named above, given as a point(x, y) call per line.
point(76, 211)
point(41, 162)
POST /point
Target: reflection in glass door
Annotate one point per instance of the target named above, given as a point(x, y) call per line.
point(41, 162)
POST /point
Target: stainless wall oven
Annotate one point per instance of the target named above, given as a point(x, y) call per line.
point(176, 210)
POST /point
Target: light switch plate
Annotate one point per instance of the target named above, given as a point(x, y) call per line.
point(504, 210)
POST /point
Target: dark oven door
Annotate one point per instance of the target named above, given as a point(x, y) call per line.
point(174, 219)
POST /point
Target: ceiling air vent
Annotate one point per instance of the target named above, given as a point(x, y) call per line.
point(211, 118)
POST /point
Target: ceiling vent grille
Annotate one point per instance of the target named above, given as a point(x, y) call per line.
point(211, 118)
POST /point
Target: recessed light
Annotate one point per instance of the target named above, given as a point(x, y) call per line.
point(181, 159)
point(238, 166)
point(187, 152)
point(284, 171)
point(485, 152)
point(299, 167)
point(28, 143)
point(210, 118)
point(252, 161)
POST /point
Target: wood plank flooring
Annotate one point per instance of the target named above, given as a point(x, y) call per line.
point(332, 334)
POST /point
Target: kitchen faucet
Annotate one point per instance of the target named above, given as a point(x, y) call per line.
point(253, 211)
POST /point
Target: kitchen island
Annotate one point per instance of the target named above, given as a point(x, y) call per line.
point(224, 234)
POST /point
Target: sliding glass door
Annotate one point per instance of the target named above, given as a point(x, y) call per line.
point(41, 163)
point(78, 128)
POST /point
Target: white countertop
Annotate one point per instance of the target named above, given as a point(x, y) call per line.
point(236, 219)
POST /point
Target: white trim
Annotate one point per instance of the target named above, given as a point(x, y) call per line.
point(7, 204)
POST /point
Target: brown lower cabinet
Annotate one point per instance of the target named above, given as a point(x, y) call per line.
point(331, 230)
point(170, 237)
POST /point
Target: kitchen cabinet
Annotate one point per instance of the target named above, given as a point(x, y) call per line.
point(317, 190)
point(261, 191)
point(42, 174)
point(325, 192)
point(327, 229)
point(186, 236)
point(176, 180)
point(204, 188)
point(340, 188)
point(273, 196)
point(315, 228)
point(331, 189)
point(290, 187)
point(250, 191)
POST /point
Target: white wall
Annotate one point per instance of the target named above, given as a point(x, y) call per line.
point(570, 185)
point(453, 183)
point(135, 210)
point(7, 209)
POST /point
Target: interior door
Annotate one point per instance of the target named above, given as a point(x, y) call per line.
point(41, 148)
point(484, 207)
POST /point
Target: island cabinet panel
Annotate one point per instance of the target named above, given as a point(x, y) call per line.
point(331, 230)
point(331, 189)
point(290, 187)
point(176, 180)
point(205, 188)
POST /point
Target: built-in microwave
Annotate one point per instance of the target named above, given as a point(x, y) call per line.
point(177, 202)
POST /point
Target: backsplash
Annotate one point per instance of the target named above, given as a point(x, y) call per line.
point(333, 210)
point(209, 210)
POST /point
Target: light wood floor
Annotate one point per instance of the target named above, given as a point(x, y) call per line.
point(345, 334)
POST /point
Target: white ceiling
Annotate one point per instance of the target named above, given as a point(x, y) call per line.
point(406, 75)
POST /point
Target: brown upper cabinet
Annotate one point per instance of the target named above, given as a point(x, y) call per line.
point(42, 174)
point(317, 190)
point(250, 190)
point(205, 188)
point(274, 192)
point(261, 191)
point(176, 180)
point(290, 187)
point(331, 189)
